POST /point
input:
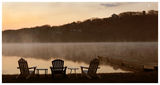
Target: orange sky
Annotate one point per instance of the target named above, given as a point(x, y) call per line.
point(16, 15)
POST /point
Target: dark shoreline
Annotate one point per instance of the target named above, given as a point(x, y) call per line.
point(138, 77)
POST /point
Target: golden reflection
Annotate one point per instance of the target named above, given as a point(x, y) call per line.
point(10, 64)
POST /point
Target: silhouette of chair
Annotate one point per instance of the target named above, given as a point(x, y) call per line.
point(92, 69)
point(25, 71)
point(58, 68)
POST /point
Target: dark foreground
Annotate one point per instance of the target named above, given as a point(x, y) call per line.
point(139, 77)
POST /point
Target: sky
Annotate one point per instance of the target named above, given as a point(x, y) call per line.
point(17, 15)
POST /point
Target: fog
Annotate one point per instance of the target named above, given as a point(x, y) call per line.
point(123, 55)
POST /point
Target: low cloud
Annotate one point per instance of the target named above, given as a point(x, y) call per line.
point(115, 4)
point(111, 4)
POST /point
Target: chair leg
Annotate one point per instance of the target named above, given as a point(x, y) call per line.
point(32, 74)
point(18, 76)
point(96, 76)
point(28, 76)
point(99, 76)
point(88, 77)
point(52, 76)
point(64, 76)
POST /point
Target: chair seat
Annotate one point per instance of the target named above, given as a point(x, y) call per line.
point(58, 71)
point(85, 71)
point(31, 72)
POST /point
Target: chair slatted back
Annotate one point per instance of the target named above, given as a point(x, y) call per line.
point(23, 66)
point(58, 64)
point(93, 66)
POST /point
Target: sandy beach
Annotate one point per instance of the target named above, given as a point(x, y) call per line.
point(138, 77)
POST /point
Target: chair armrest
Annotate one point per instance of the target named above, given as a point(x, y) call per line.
point(33, 67)
point(29, 68)
point(51, 67)
point(65, 68)
point(84, 67)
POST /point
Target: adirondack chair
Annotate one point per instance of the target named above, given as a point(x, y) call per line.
point(25, 71)
point(92, 69)
point(58, 68)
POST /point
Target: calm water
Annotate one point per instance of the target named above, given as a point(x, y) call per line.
point(80, 54)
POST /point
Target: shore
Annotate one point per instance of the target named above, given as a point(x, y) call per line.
point(138, 77)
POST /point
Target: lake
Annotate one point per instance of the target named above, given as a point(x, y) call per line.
point(114, 55)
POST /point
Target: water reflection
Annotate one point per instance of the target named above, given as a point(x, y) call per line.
point(117, 54)
point(10, 65)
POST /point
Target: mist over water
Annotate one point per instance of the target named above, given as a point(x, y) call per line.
point(116, 54)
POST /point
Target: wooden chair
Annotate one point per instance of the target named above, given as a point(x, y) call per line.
point(25, 71)
point(58, 68)
point(92, 69)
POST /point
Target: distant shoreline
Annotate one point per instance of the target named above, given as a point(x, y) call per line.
point(124, 27)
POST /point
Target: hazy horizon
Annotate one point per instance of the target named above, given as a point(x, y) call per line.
point(133, 54)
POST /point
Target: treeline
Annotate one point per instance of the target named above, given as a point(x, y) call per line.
point(124, 27)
